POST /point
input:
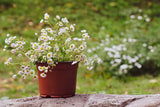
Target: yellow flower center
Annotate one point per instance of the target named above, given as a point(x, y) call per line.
point(41, 48)
point(75, 50)
point(31, 72)
point(49, 61)
point(47, 17)
point(34, 76)
point(43, 68)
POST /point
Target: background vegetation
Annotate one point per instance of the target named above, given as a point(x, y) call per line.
point(99, 18)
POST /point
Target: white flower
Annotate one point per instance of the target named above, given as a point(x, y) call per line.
point(72, 46)
point(150, 47)
point(50, 61)
point(43, 75)
point(67, 40)
point(84, 35)
point(41, 48)
point(41, 21)
point(40, 68)
point(77, 39)
point(138, 65)
point(152, 50)
point(124, 66)
point(99, 60)
point(67, 51)
point(22, 67)
point(132, 16)
point(5, 46)
point(49, 30)
point(74, 62)
point(58, 17)
point(4, 49)
point(9, 59)
point(43, 31)
point(77, 56)
point(6, 63)
point(35, 76)
point(21, 46)
point(46, 16)
point(86, 62)
point(56, 47)
point(46, 71)
point(19, 55)
point(83, 31)
point(13, 51)
point(32, 72)
point(44, 68)
point(20, 72)
point(14, 76)
point(44, 57)
point(139, 17)
point(24, 76)
point(48, 47)
point(49, 55)
point(75, 50)
point(144, 45)
point(147, 19)
point(60, 24)
point(34, 45)
point(61, 31)
point(65, 20)
point(90, 68)
point(8, 35)
point(87, 37)
point(72, 28)
point(89, 50)
point(13, 45)
point(27, 67)
point(118, 60)
point(54, 55)
point(81, 47)
point(36, 33)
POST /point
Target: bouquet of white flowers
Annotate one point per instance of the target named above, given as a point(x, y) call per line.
point(55, 43)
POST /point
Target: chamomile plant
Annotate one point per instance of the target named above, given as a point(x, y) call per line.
point(56, 42)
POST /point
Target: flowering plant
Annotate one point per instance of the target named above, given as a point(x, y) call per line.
point(130, 50)
point(56, 43)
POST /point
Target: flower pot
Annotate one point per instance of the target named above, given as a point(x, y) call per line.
point(60, 80)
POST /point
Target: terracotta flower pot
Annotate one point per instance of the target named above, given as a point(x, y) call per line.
point(60, 80)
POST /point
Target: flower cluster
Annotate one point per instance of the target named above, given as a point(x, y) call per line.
point(56, 42)
point(122, 56)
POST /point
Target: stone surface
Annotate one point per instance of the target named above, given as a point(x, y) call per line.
point(86, 100)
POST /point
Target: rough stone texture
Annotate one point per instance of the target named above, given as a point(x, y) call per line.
point(94, 100)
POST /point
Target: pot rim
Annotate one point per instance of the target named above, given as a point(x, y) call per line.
point(38, 62)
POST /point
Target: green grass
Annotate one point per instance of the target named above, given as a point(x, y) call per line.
point(22, 18)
